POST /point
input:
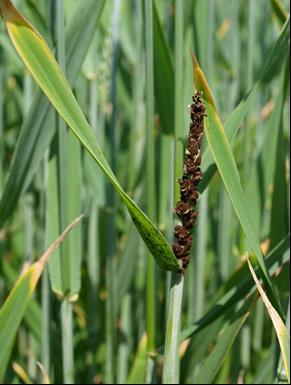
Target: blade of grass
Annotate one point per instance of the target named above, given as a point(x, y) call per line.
point(29, 213)
point(32, 316)
point(221, 151)
point(111, 242)
point(245, 340)
point(150, 184)
point(265, 372)
point(67, 342)
point(7, 47)
point(246, 161)
point(171, 368)
point(279, 50)
point(281, 331)
point(137, 373)
point(279, 212)
point(164, 76)
point(22, 374)
point(1, 122)
point(224, 236)
point(37, 57)
point(36, 131)
point(11, 313)
point(138, 94)
point(45, 377)
point(207, 9)
point(258, 326)
point(36, 16)
point(45, 322)
point(94, 220)
point(52, 223)
point(213, 362)
point(281, 371)
point(231, 293)
point(69, 178)
point(235, 119)
point(200, 256)
point(197, 350)
point(127, 265)
point(68, 194)
point(124, 347)
point(279, 12)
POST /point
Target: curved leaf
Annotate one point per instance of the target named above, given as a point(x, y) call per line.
point(214, 361)
point(281, 330)
point(13, 309)
point(233, 122)
point(224, 159)
point(41, 63)
point(37, 129)
point(278, 12)
point(239, 285)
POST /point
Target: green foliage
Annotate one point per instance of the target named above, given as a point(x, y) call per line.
point(134, 127)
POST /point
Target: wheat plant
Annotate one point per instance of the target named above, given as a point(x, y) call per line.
point(164, 126)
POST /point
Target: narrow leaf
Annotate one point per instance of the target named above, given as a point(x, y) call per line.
point(32, 316)
point(41, 63)
point(233, 122)
point(22, 374)
point(45, 377)
point(13, 309)
point(281, 331)
point(224, 159)
point(214, 361)
point(237, 287)
point(278, 11)
point(164, 76)
point(37, 129)
point(138, 370)
point(201, 83)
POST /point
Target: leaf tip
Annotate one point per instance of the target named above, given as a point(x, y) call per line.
point(7, 10)
point(194, 59)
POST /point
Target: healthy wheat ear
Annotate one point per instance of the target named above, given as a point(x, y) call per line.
point(192, 175)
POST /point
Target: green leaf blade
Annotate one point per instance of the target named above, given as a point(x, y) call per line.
point(224, 159)
point(11, 315)
point(214, 361)
point(38, 129)
point(45, 70)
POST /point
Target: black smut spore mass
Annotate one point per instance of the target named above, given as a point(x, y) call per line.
point(192, 175)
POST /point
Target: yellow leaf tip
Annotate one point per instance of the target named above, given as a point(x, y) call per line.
point(194, 59)
point(7, 9)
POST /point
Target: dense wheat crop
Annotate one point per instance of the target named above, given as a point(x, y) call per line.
point(144, 191)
